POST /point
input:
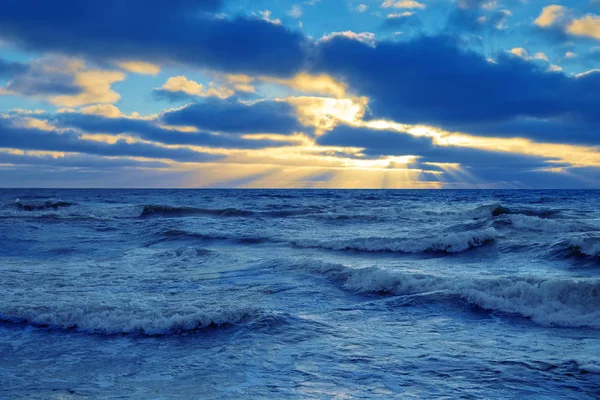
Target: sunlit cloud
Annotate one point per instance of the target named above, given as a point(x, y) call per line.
point(588, 26)
point(524, 54)
point(550, 16)
point(581, 156)
point(96, 86)
point(318, 84)
point(140, 67)
point(324, 113)
point(63, 81)
point(403, 4)
point(182, 84)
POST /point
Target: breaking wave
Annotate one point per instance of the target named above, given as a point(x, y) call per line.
point(448, 243)
point(45, 205)
point(586, 246)
point(538, 224)
point(140, 321)
point(181, 235)
point(495, 210)
point(173, 211)
point(557, 302)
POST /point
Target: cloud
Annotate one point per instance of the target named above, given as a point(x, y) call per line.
point(153, 131)
point(296, 11)
point(364, 37)
point(405, 19)
point(74, 160)
point(182, 88)
point(562, 20)
point(9, 68)
point(378, 143)
point(550, 16)
point(524, 54)
point(588, 26)
point(403, 4)
point(21, 137)
point(469, 19)
point(182, 31)
point(105, 110)
point(463, 166)
point(426, 81)
point(375, 142)
point(362, 8)
point(140, 67)
point(64, 81)
point(232, 116)
point(317, 84)
point(541, 129)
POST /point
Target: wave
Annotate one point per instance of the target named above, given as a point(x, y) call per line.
point(173, 211)
point(141, 322)
point(554, 302)
point(538, 224)
point(448, 243)
point(587, 246)
point(181, 235)
point(46, 205)
point(496, 210)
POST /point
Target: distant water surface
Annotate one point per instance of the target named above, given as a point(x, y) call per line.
point(223, 294)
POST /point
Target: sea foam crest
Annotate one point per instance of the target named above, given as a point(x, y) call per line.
point(113, 320)
point(42, 205)
point(538, 224)
point(589, 246)
point(560, 302)
point(454, 242)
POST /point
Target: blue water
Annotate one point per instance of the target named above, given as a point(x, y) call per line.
point(222, 294)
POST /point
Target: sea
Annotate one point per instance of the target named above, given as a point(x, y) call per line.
point(299, 294)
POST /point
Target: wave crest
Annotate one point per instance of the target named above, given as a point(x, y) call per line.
point(174, 211)
point(448, 243)
point(143, 322)
point(559, 302)
point(39, 206)
point(496, 210)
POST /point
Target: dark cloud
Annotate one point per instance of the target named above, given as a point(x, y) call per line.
point(565, 130)
point(86, 161)
point(47, 176)
point(46, 76)
point(149, 130)
point(232, 116)
point(377, 143)
point(9, 68)
point(70, 141)
point(431, 80)
point(182, 31)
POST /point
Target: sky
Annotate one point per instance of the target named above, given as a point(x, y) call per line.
point(307, 94)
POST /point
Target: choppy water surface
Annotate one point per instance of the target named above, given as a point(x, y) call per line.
point(299, 294)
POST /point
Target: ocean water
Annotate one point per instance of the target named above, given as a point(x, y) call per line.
point(224, 294)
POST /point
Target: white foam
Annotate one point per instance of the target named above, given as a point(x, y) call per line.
point(560, 302)
point(450, 243)
point(590, 246)
point(538, 224)
point(591, 368)
point(124, 320)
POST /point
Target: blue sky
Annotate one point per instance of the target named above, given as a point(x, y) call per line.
point(320, 93)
